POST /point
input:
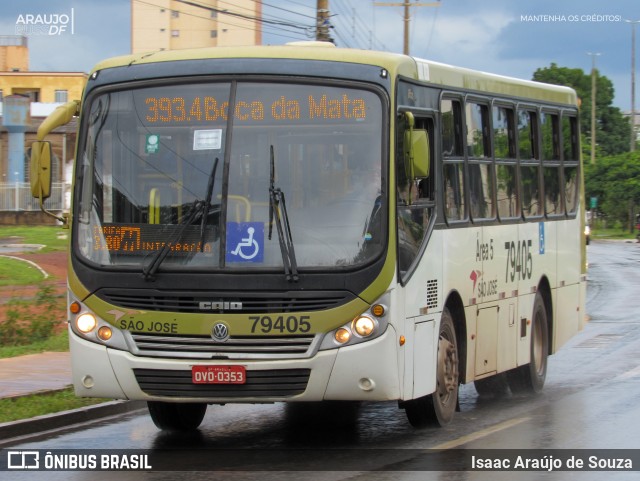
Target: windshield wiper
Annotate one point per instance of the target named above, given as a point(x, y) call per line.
point(198, 207)
point(150, 269)
point(276, 199)
point(207, 203)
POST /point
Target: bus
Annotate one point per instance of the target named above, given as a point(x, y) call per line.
point(306, 223)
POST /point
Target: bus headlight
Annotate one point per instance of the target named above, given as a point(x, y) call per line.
point(105, 333)
point(91, 327)
point(369, 325)
point(86, 323)
point(364, 326)
point(342, 335)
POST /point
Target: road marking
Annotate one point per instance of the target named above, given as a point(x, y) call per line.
point(628, 374)
point(481, 434)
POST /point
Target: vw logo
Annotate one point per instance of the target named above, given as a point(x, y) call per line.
point(220, 332)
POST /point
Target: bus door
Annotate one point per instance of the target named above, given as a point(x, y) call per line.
point(419, 264)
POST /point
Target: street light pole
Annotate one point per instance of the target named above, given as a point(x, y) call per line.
point(633, 83)
point(593, 105)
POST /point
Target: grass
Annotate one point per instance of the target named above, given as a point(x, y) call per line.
point(25, 407)
point(54, 238)
point(615, 233)
point(14, 272)
point(56, 343)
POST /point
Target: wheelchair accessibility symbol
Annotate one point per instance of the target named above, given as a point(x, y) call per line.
point(245, 242)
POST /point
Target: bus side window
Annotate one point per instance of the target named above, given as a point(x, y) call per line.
point(451, 128)
point(453, 157)
point(480, 178)
point(551, 163)
point(570, 162)
point(454, 198)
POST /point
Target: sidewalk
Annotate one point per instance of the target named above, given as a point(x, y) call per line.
point(34, 373)
point(40, 373)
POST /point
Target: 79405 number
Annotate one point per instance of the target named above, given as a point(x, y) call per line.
point(281, 324)
point(519, 260)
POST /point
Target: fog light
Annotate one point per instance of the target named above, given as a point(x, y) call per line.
point(364, 326)
point(366, 384)
point(342, 336)
point(105, 333)
point(87, 381)
point(86, 323)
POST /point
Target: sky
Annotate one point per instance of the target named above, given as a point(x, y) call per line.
point(507, 37)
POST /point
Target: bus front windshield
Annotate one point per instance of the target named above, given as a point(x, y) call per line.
point(216, 176)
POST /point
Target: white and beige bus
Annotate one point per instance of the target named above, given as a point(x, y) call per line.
point(308, 223)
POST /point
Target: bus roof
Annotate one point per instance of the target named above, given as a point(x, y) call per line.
point(397, 65)
point(467, 79)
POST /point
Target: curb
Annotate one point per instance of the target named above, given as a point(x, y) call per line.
point(64, 419)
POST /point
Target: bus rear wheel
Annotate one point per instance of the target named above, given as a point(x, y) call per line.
point(529, 379)
point(175, 416)
point(438, 408)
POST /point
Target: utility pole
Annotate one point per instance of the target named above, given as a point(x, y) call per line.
point(593, 106)
point(407, 16)
point(322, 21)
point(633, 83)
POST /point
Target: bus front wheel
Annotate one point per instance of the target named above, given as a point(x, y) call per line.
point(438, 408)
point(530, 378)
point(176, 417)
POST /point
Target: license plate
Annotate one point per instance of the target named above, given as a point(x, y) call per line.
point(218, 375)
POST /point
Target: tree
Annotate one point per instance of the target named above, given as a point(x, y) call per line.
point(615, 181)
point(612, 128)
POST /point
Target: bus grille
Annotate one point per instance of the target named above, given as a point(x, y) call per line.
point(257, 302)
point(275, 383)
point(204, 347)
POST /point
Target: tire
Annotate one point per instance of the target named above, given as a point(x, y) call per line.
point(529, 379)
point(175, 416)
point(438, 408)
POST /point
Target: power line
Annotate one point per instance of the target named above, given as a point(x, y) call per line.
point(286, 9)
point(278, 27)
point(241, 15)
point(342, 18)
point(407, 6)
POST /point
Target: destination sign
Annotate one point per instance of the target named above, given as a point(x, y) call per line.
point(205, 108)
point(137, 239)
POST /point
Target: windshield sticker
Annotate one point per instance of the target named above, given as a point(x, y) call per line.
point(153, 143)
point(245, 242)
point(207, 139)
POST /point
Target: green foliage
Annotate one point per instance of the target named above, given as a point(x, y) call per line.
point(615, 181)
point(23, 326)
point(54, 238)
point(14, 272)
point(25, 407)
point(55, 343)
point(613, 130)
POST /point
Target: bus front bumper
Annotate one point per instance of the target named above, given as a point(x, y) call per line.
point(363, 372)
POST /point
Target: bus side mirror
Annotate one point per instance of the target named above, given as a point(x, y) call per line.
point(40, 161)
point(416, 146)
point(40, 169)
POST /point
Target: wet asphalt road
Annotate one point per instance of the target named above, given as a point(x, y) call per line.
point(590, 401)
